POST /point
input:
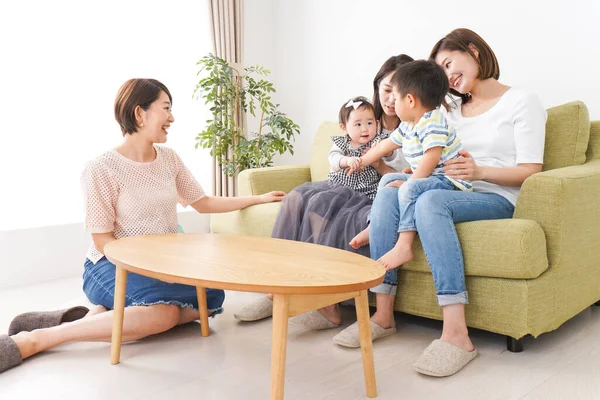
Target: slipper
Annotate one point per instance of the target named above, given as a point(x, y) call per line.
point(443, 359)
point(30, 321)
point(10, 356)
point(313, 320)
point(350, 336)
point(259, 309)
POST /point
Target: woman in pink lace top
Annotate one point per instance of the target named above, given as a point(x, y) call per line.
point(130, 190)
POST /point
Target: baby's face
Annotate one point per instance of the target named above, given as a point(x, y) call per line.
point(361, 126)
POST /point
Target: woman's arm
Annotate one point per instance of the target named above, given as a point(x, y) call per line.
point(214, 204)
point(466, 168)
point(102, 239)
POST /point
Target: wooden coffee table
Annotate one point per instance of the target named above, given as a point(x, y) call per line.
point(301, 276)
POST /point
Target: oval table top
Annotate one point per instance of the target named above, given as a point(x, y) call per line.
point(245, 263)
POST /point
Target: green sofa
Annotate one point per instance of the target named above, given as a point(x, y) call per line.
point(526, 275)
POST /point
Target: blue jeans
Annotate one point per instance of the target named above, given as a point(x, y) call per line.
point(99, 287)
point(436, 212)
point(410, 191)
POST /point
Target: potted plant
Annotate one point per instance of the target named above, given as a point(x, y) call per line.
point(231, 93)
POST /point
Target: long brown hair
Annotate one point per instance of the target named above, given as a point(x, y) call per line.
point(463, 39)
point(391, 64)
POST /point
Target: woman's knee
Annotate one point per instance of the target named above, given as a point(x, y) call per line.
point(431, 204)
point(385, 200)
point(162, 317)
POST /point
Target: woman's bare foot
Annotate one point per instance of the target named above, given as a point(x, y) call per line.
point(95, 310)
point(332, 313)
point(360, 240)
point(396, 256)
point(27, 343)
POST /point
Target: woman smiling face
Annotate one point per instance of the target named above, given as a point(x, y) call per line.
point(156, 119)
point(461, 69)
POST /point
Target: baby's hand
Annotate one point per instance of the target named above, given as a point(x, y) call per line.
point(353, 165)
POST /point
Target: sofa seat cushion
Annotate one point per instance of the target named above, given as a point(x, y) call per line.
point(505, 248)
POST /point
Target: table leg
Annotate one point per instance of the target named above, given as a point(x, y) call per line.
point(203, 311)
point(366, 344)
point(280, 328)
point(118, 314)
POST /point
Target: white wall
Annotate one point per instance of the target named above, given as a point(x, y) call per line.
point(61, 64)
point(51, 252)
point(327, 51)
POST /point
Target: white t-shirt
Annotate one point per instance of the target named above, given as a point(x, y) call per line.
point(510, 133)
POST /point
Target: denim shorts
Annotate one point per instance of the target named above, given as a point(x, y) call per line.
point(99, 287)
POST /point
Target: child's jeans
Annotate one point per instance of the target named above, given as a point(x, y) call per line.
point(410, 191)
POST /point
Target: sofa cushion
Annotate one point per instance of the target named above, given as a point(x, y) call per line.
point(504, 248)
point(593, 151)
point(253, 221)
point(319, 164)
point(567, 135)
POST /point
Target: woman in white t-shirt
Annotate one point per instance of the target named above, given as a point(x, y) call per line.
point(502, 130)
point(128, 191)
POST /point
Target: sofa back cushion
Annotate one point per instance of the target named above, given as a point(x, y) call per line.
point(319, 165)
point(567, 135)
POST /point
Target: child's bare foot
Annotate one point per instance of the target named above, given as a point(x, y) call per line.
point(360, 240)
point(396, 257)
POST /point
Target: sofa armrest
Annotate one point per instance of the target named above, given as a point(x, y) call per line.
point(564, 202)
point(262, 180)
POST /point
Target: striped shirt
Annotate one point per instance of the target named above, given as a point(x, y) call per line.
point(430, 131)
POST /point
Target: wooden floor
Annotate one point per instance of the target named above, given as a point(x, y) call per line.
point(233, 363)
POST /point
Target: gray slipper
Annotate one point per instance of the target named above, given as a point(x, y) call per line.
point(313, 320)
point(10, 356)
point(443, 359)
point(30, 321)
point(350, 336)
point(259, 309)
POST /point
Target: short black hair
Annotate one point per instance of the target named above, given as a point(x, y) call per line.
point(423, 79)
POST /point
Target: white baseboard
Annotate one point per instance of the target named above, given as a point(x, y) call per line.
point(35, 255)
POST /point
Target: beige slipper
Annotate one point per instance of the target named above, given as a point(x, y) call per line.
point(10, 355)
point(443, 359)
point(313, 320)
point(350, 336)
point(30, 321)
point(259, 309)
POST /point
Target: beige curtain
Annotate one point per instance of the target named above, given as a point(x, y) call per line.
point(226, 17)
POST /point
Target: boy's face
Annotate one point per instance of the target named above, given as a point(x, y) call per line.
point(401, 106)
point(361, 126)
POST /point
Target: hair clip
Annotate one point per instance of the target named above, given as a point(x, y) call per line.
point(354, 104)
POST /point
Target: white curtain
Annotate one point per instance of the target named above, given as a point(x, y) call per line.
point(226, 17)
